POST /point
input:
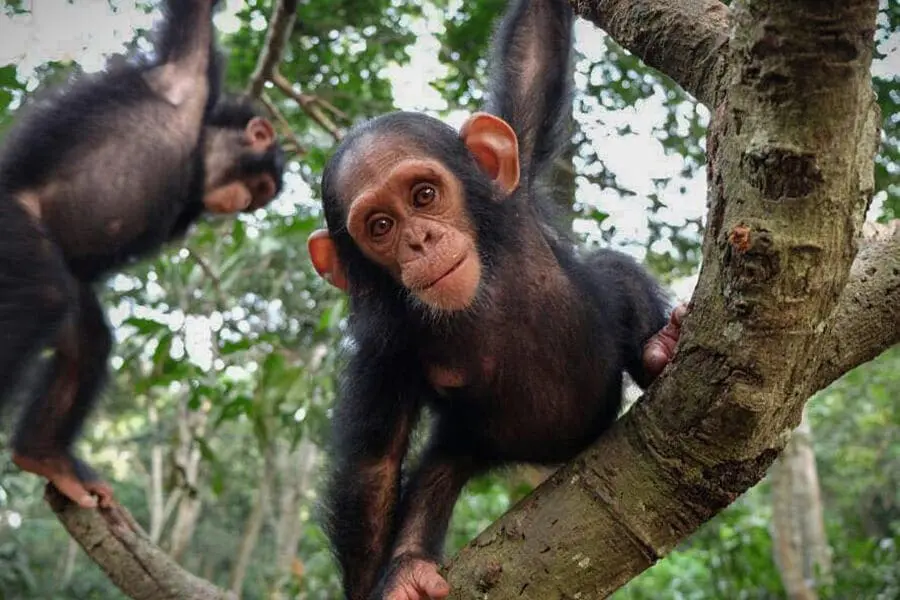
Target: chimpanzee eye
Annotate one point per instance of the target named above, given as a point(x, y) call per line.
point(380, 226)
point(423, 195)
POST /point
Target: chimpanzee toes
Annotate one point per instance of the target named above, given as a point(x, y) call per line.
point(68, 475)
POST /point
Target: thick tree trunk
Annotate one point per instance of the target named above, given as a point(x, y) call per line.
point(790, 148)
point(798, 527)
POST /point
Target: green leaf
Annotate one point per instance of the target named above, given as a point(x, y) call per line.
point(145, 326)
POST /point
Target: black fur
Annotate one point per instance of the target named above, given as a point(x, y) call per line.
point(560, 348)
point(113, 176)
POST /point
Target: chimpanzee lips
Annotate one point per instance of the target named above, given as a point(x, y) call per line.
point(452, 270)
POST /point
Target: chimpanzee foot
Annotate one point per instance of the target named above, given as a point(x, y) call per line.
point(659, 349)
point(72, 477)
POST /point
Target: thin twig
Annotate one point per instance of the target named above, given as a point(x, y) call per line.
point(280, 26)
point(331, 108)
point(308, 103)
point(214, 278)
point(286, 129)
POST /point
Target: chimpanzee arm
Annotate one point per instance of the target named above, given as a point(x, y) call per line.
point(425, 510)
point(371, 424)
point(186, 49)
point(530, 79)
point(187, 33)
point(638, 304)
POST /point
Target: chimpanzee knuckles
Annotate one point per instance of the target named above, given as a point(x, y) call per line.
point(260, 134)
point(324, 258)
point(495, 146)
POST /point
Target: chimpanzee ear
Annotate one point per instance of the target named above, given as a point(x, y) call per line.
point(495, 146)
point(325, 260)
point(260, 134)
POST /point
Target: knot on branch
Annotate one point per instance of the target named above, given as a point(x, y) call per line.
point(753, 262)
point(779, 172)
point(490, 576)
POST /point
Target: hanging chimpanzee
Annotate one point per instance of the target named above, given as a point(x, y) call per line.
point(100, 173)
point(466, 300)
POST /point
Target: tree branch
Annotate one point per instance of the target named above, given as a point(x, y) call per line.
point(866, 320)
point(280, 26)
point(295, 146)
point(309, 104)
point(788, 138)
point(213, 277)
point(685, 39)
point(114, 541)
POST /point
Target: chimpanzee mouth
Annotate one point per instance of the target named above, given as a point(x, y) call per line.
point(452, 270)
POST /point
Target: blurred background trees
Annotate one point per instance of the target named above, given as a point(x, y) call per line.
point(213, 426)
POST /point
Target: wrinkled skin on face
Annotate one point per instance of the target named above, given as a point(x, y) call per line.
point(406, 212)
point(412, 221)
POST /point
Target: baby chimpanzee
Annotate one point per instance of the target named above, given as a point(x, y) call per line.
point(466, 300)
point(95, 175)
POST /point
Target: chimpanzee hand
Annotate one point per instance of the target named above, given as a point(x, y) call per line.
point(411, 577)
point(659, 349)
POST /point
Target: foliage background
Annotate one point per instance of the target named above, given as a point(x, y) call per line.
point(227, 345)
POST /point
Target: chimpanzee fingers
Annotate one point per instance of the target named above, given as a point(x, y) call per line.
point(679, 314)
point(74, 490)
point(102, 491)
point(72, 477)
point(92, 482)
point(418, 580)
point(660, 349)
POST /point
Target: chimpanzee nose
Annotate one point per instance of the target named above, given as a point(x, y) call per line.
point(420, 237)
point(420, 241)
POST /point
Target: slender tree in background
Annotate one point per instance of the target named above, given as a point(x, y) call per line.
point(798, 527)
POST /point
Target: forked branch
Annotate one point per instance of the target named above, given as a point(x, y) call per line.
point(309, 103)
point(866, 321)
point(687, 39)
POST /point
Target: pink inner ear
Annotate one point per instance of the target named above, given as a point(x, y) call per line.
point(487, 160)
point(260, 132)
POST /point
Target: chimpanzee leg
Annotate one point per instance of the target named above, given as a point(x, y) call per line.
point(36, 293)
point(54, 418)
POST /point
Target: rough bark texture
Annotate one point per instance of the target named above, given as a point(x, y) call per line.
point(686, 39)
point(799, 542)
point(133, 563)
point(867, 317)
point(790, 150)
